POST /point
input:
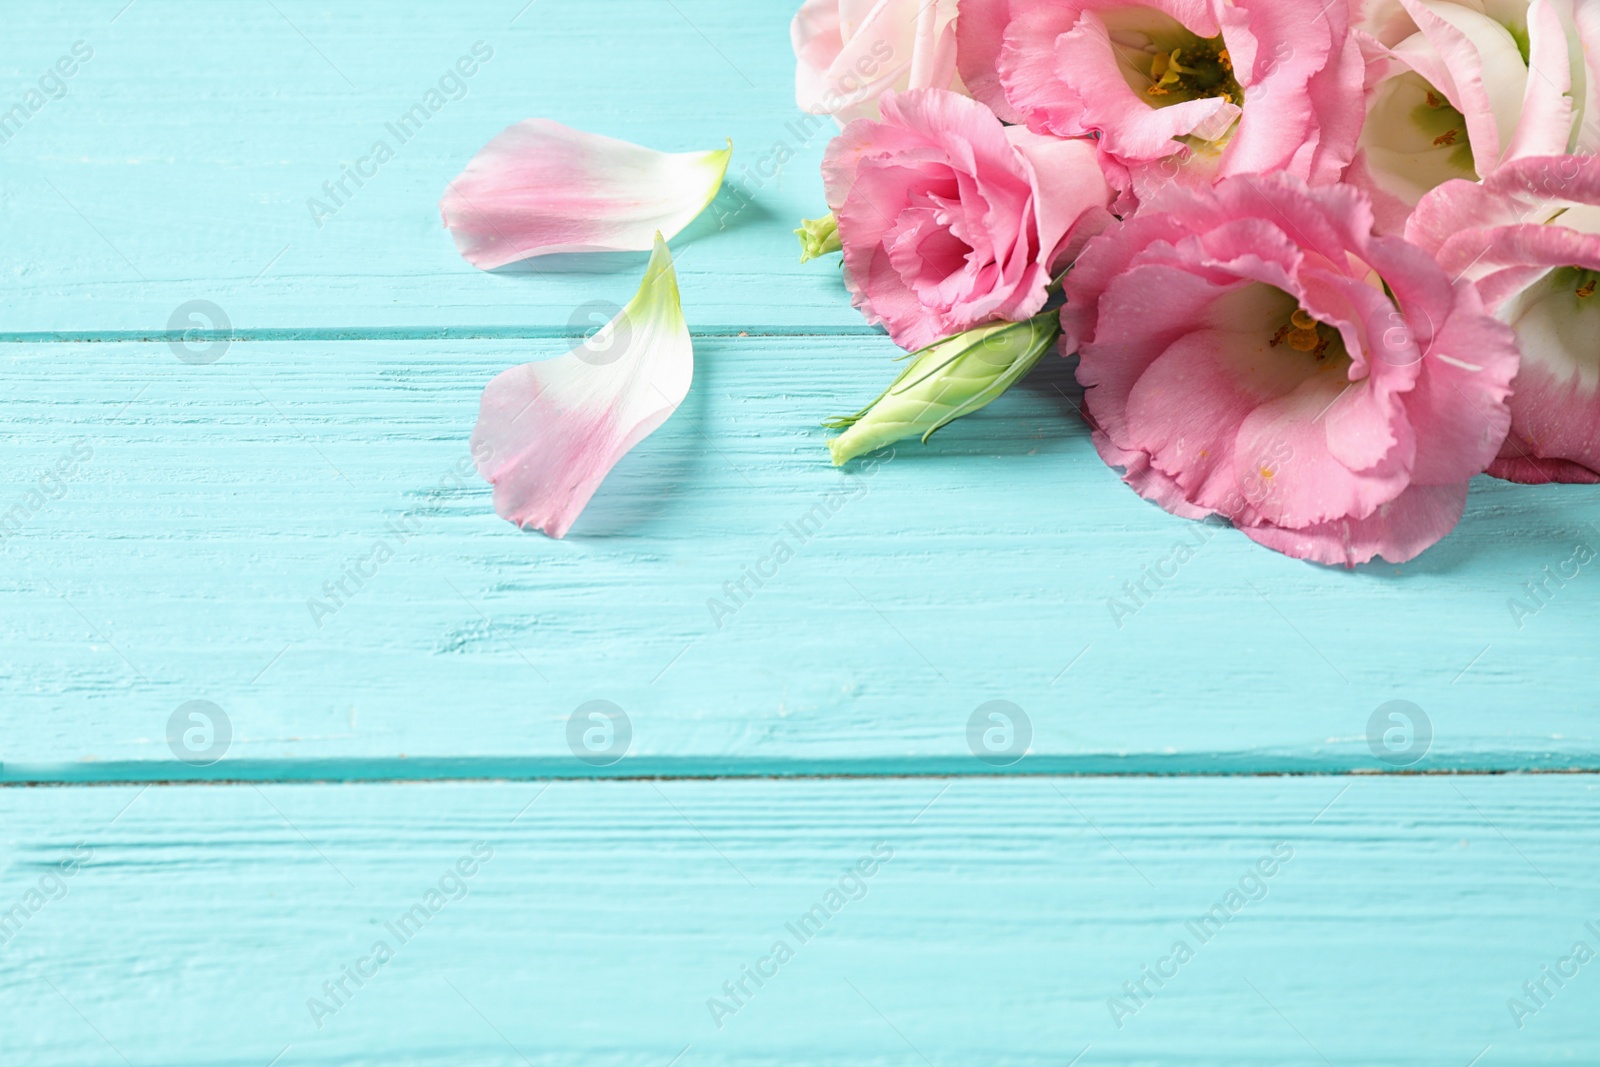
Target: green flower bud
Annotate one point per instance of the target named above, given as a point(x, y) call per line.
point(945, 381)
point(818, 237)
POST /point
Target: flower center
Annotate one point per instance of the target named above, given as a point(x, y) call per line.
point(1303, 333)
point(1586, 282)
point(1193, 72)
point(1414, 139)
point(1447, 126)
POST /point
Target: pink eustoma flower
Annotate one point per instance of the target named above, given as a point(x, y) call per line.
point(950, 219)
point(1183, 91)
point(540, 187)
point(549, 432)
point(1253, 351)
point(1529, 236)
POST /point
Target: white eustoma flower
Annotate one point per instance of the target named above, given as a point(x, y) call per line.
point(1458, 88)
point(850, 52)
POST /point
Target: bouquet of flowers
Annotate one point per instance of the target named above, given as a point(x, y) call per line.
point(1320, 263)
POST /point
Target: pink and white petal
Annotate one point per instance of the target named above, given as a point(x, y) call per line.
point(1392, 199)
point(817, 37)
point(549, 432)
point(1545, 125)
point(1489, 77)
point(1514, 257)
point(540, 187)
point(879, 38)
point(1586, 27)
point(1556, 407)
point(1398, 530)
point(933, 58)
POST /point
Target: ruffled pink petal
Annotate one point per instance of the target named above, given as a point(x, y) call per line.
point(1522, 467)
point(1335, 96)
point(540, 187)
point(1180, 315)
point(1310, 484)
point(1144, 312)
point(1277, 48)
point(1454, 207)
point(1186, 410)
point(1146, 480)
point(980, 33)
point(1398, 531)
point(1069, 185)
point(549, 432)
point(948, 219)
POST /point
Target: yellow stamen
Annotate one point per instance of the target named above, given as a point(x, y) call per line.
point(1448, 137)
point(1434, 101)
point(1586, 289)
point(1301, 333)
point(1166, 72)
point(1304, 340)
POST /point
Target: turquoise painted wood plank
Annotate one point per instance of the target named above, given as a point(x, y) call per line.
point(178, 161)
point(1396, 921)
point(194, 553)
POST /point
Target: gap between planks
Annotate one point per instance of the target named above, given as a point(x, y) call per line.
point(400, 333)
point(735, 776)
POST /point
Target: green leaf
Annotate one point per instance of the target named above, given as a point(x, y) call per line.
point(945, 381)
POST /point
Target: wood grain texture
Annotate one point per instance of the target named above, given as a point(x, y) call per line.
point(189, 559)
point(165, 525)
point(180, 162)
point(1405, 916)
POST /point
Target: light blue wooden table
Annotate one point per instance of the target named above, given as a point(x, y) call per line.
point(404, 771)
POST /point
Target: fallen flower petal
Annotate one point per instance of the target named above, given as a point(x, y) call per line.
point(549, 432)
point(540, 187)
